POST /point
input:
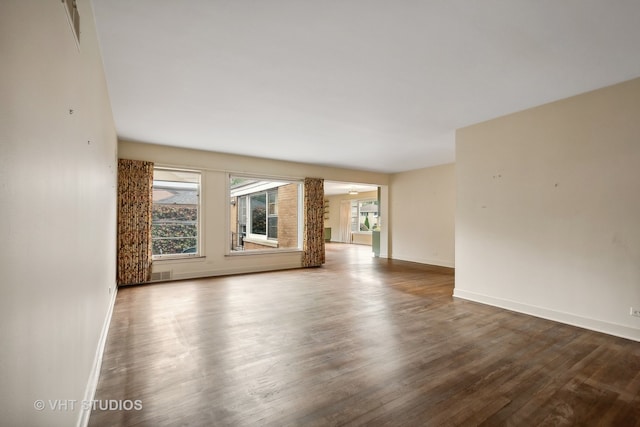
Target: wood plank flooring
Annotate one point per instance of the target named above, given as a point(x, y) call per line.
point(360, 341)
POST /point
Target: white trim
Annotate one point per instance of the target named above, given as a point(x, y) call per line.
point(259, 240)
point(161, 170)
point(289, 265)
point(557, 316)
point(94, 375)
point(258, 187)
point(422, 260)
point(176, 257)
point(201, 230)
point(178, 260)
point(301, 216)
point(227, 215)
point(275, 251)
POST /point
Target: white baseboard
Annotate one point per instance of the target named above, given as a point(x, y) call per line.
point(557, 316)
point(94, 375)
point(420, 260)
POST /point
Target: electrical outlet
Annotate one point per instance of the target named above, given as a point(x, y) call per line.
point(634, 312)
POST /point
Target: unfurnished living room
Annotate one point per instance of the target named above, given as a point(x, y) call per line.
point(320, 213)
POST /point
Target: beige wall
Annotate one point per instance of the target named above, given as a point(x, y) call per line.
point(548, 210)
point(423, 215)
point(58, 174)
point(215, 167)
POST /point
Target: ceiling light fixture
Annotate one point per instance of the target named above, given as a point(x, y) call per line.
point(352, 192)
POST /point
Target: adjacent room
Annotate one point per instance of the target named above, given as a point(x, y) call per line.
point(328, 213)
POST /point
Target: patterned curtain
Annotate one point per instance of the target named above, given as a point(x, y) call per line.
point(135, 201)
point(313, 222)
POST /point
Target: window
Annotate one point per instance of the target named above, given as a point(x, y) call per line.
point(258, 219)
point(272, 214)
point(175, 226)
point(264, 214)
point(364, 215)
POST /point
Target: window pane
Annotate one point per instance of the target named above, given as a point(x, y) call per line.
point(242, 210)
point(273, 202)
point(354, 215)
point(273, 227)
point(259, 214)
point(174, 225)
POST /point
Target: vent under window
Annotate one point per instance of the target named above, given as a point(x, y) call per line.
point(161, 275)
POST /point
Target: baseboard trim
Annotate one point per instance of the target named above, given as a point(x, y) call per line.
point(94, 376)
point(557, 316)
point(427, 261)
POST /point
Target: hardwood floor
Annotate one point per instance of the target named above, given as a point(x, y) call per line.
point(360, 341)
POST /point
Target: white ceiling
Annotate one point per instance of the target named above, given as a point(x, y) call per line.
point(366, 84)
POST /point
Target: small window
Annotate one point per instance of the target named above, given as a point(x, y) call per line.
point(175, 226)
point(265, 214)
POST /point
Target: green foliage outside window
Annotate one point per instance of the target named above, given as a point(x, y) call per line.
point(174, 229)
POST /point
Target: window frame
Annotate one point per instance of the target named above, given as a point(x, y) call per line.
point(199, 253)
point(264, 185)
point(268, 236)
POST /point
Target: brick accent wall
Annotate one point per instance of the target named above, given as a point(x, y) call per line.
point(288, 216)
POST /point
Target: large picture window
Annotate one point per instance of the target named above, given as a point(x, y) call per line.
point(265, 214)
point(175, 226)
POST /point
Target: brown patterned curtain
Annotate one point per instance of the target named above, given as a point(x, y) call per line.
point(135, 201)
point(313, 222)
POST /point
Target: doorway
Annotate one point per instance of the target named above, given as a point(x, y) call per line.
point(354, 214)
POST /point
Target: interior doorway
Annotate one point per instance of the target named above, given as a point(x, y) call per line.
point(354, 214)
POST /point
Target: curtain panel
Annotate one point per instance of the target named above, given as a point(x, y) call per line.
point(135, 203)
point(313, 245)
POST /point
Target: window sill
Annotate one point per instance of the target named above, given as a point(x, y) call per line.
point(270, 243)
point(251, 252)
point(196, 258)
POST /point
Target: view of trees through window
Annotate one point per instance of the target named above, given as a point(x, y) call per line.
point(174, 226)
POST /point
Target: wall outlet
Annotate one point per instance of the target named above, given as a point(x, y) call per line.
point(634, 312)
